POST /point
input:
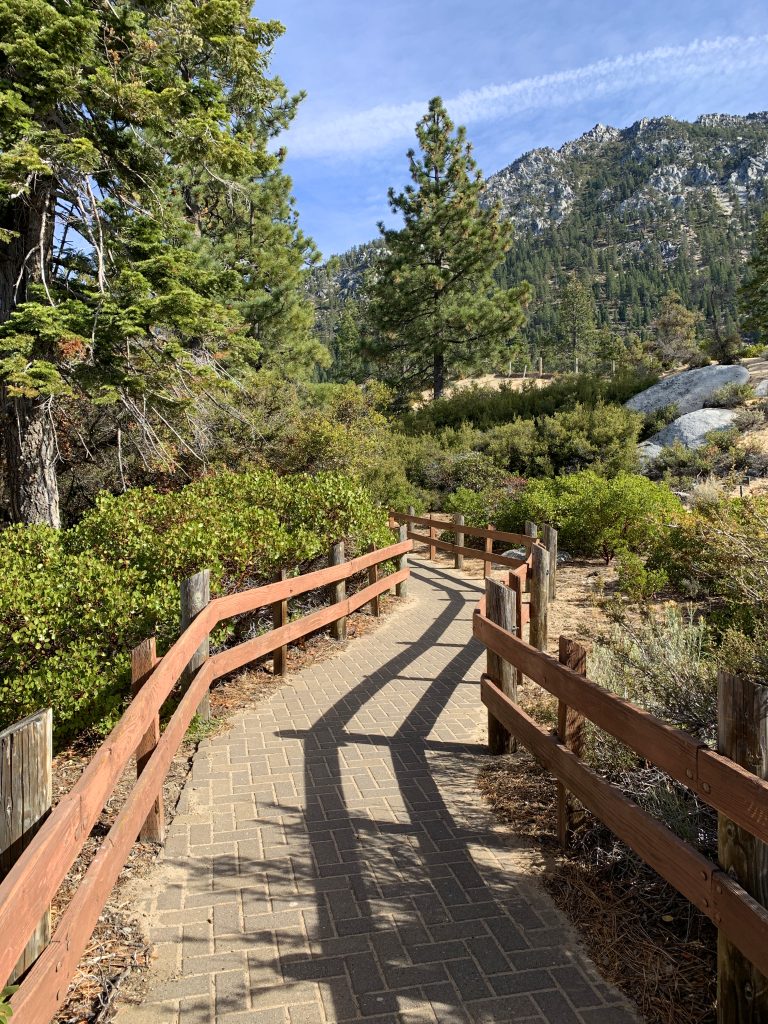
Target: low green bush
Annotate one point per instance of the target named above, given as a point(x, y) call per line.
point(74, 602)
point(730, 396)
point(484, 408)
point(594, 515)
point(601, 437)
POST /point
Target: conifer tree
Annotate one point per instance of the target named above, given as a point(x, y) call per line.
point(147, 235)
point(675, 330)
point(754, 293)
point(434, 305)
point(576, 320)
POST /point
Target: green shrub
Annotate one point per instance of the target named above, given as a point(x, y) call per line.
point(594, 515)
point(602, 437)
point(730, 396)
point(73, 603)
point(485, 407)
point(656, 421)
point(636, 580)
point(663, 663)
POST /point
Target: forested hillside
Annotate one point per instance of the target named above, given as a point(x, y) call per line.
point(662, 205)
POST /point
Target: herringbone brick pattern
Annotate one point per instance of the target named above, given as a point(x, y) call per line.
point(333, 861)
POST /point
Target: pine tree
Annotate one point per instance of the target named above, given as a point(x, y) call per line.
point(754, 293)
point(434, 305)
point(147, 236)
point(675, 329)
point(576, 320)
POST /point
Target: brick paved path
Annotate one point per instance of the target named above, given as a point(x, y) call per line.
point(333, 861)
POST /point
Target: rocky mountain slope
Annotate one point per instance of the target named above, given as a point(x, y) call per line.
point(663, 204)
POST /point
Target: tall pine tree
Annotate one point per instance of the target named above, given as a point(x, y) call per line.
point(147, 235)
point(433, 303)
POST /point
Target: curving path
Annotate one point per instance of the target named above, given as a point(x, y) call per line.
point(333, 861)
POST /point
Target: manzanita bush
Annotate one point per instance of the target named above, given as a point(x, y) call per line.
point(74, 602)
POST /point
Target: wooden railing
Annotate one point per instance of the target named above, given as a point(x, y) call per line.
point(29, 887)
point(724, 785)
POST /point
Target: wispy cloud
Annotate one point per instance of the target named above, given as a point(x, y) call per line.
point(373, 130)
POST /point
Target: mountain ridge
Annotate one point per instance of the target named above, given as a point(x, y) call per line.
point(660, 205)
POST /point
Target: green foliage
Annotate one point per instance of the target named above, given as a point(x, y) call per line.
point(73, 603)
point(723, 456)
point(730, 396)
point(675, 330)
point(754, 293)
point(656, 421)
point(147, 231)
point(636, 580)
point(433, 302)
point(6, 1011)
point(603, 437)
point(596, 516)
point(485, 407)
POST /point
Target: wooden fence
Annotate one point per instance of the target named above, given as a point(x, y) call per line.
point(30, 885)
point(740, 796)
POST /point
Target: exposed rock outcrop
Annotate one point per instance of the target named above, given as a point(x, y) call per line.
point(688, 390)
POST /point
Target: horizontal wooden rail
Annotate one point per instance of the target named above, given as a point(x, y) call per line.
point(717, 895)
point(722, 784)
point(483, 556)
point(260, 597)
point(29, 887)
point(472, 531)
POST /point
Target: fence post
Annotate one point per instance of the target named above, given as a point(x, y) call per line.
point(143, 661)
point(487, 564)
point(432, 548)
point(500, 608)
point(26, 791)
point(516, 586)
point(742, 735)
point(458, 560)
point(338, 592)
point(196, 595)
point(373, 577)
point(539, 597)
point(280, 618)
point(401, 589)
point(570, 729)
point(531, 530)
point(549, 539)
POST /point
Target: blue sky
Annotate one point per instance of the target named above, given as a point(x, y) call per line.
point(519, 75)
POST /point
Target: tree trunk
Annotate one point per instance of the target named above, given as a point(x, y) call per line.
point(30, 461)
point(28, 430)
point(438, 375)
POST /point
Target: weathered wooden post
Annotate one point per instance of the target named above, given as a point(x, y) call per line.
point(742, 735)
point(280, 618)
point(541, 367)
point(338, 592)
point(570, 729)
point(26, 792)
point(458, 559)
point(196, 595)
point(373, 577)
point(432, 548)
point(516, 586)
point(539, 597)
point(500, 608)
point(143, 661)
point(401, 590)
point(487, 563)
point(531, 530)
point(549, 539)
